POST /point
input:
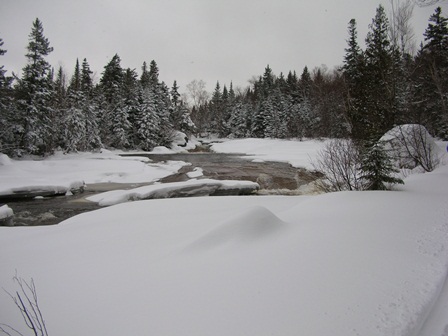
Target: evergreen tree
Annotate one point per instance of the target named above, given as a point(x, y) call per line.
point(180, 115)
point(144, 78)
point(147, 122)
point(431, 77)
point(74, 119)
point(86, 78)
point(381, 102)
point(354, 68)
point(115, 125)
point(7, 113)
point(377, 169)
point(163, 104)
point(34, 92)
point(2, 70)
point(238, 120)
point(215, 108)
point(92, 138)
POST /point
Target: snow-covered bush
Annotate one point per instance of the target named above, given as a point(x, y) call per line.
point(340, 162)
point(411, 146)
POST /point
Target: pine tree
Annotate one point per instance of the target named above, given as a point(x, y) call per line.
point(35, 95)
point(238, 120)
point(147, 122)
point(7, 113)
point(381, 103)
point(377, 169)
point(115, 125)
point(92, 140)
point(144, 78)
point(354, 68)
point(179, 114)
point(431, 77)
point(86, 78)
point(2, 70)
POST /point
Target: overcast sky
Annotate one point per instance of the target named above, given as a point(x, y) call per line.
point(225, 40)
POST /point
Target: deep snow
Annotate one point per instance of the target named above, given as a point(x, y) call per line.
point(348, 263)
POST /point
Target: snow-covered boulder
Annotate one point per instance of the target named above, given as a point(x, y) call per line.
point(6, 216)
point(5, 160)
point(411, 146)
point(180, 139)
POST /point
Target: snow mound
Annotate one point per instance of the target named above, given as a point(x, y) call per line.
point(5, 160)
point(255, 224)
point(411, 145)
point(5, 212)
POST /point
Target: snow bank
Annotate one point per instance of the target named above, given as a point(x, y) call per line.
point(297, 153)
point(204, 187)
point(61, 173)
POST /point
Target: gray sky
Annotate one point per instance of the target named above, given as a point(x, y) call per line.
point(225, 40)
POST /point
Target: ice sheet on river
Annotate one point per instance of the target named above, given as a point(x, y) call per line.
point(203, 187)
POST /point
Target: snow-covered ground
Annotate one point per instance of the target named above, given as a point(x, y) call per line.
point(348, 263)
point(297, 153)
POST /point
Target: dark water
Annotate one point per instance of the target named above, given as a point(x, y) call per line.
point(270, 176)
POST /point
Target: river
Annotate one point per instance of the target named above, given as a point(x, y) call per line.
point(273, 177)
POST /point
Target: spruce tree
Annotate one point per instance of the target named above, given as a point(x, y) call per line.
point(144, 78)
point(115, 125)
point(179, 114)
point(353, 69)
point(86, 78)
point(35, 95)
point(382, 74)
point(377, 168)
point(2, 70)
point(7, 113)
point(74, 121)
point(92, 139)
point(431, 77)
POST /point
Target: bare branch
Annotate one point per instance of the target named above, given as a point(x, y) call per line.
point(3, 330)
point(425, 3)
point(26, 301)
point(339, 161)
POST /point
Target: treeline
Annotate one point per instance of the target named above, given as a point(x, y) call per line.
point(44, 111)
point(375, 89)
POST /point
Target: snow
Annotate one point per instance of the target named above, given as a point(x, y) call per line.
point(5, 212)
point(197, 172)
point(347, 263)
point(203, 187)
point(409, 142)
point(297, 153)
point(62, 172)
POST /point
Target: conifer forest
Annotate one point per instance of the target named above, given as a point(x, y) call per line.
point(376, 88)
